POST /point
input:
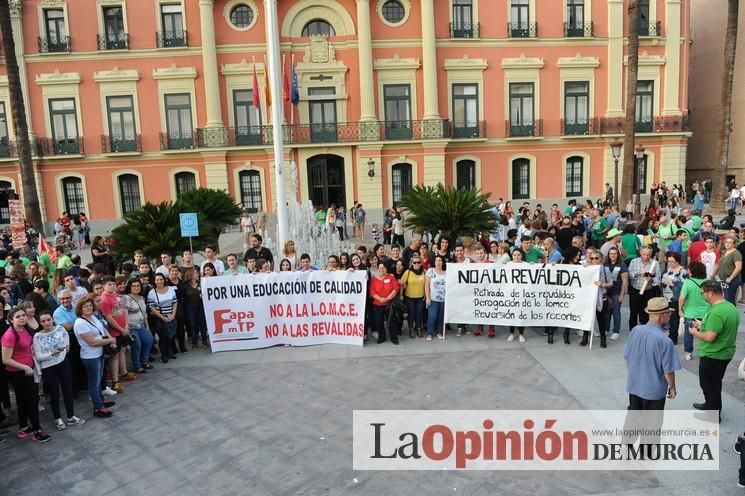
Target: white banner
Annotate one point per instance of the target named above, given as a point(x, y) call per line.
point(300, 309)
point(522, 295)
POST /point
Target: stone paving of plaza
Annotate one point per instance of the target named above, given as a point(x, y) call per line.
point(278, 422)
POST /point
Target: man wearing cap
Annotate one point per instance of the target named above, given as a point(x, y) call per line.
point(651, 360)
point(717, 334)
point(613, 240)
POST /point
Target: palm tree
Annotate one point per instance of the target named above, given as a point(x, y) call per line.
point(629, 124)
point(453, 212)
point(18, 111)
point(719, 192)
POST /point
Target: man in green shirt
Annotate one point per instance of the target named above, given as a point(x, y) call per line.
point(666, 236)
point(599, 229)
point(532, 254)
point(63, 261)
point(717, 334)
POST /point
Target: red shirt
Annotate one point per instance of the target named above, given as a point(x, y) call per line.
point(22, 347)
point(695, 249)
point(112, 304)
point(383, 288)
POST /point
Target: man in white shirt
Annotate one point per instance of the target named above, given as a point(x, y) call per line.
point(165, 263)
point(75, 291)
point(210, 252)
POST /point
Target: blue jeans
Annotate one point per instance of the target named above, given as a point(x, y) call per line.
point(616, 315)
point(730, 292)
point(416, 312)
point(687, 337)
point(94, 371)
point(435, 317)
point(141, 346)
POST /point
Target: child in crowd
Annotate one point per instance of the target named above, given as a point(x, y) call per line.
point(376, 233)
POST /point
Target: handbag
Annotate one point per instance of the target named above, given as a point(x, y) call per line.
point(107, 351)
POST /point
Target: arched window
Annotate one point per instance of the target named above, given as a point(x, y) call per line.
point(250, 188)
point(6, 193)
point(129, 193)
point(520, 178)
point(574, 176)
point(465, 174)
point(72, 192)
point(641, 179)
point(400, 181)
point(318, 27)
point(185, 181)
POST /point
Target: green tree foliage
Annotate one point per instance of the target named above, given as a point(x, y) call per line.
point(217, 210)
point(155, 228)
point(450, 211)
point(152, 228)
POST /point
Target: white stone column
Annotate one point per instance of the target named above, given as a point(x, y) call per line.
point(429, 61)
point(209, 64)
point(364, 54)
point(616, 15)
point(672, 55)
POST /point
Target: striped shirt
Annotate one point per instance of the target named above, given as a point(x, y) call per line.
point(162, 302)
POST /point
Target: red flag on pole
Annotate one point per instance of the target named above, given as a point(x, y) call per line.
point(45, 248)
point(267, 88)
point(255, 95)
point(285, 82)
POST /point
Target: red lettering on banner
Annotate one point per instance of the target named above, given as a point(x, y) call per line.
point(229, 321)
point(428, 442)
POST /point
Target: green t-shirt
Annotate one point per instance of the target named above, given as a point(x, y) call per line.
point(695, 305)
point(724, 319)
point(598, 228)
point(696, 221)
point(321, 217)
point(64, 262)
point(631, 244)
point(664, 232)
point(533, 255)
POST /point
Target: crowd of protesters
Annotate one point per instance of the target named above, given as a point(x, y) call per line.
point(72, 328)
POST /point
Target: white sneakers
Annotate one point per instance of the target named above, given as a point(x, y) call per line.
point(428, 338)
point(511, 337)
point(689, 356)
point(614, 336)
point(522, 338)
point(108, 392)
point(75, 421)
point(440, 336)
point(60, 425)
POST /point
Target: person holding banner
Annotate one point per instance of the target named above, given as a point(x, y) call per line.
point(435, 291)
point(383, 289)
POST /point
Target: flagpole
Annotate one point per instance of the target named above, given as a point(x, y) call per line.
point(273, 49)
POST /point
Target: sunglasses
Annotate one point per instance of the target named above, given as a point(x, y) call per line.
point(594, 258)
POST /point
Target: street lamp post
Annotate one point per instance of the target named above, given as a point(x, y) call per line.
point(639, 156)
point(615, 149)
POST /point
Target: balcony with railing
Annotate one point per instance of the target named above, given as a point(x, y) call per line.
point(464, 30)
point(522, 29)
point(171, 39)
point(514, 130)
point(120, 144)
point(579, 128)
point(54, 44)
point(650, 29)
point(178, 141)
point(113, 41)
point(578, 29)
point(462, 130)
point(60, 146)
point(659, 124)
